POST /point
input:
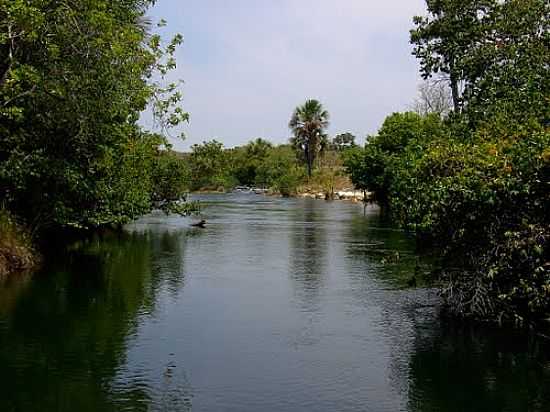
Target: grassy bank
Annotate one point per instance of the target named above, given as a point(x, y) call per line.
point(16, 251)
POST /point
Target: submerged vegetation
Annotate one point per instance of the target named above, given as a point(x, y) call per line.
point(476, 183)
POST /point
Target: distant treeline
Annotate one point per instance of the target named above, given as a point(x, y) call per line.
point(280, 168)
point(474, 178)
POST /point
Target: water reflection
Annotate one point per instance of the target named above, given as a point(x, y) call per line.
point(387, 252)
point(308, 253)
point(293, 305)
point(460, 368)
point(65, 333)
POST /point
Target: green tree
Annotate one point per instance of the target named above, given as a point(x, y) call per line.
point(476, 184)
point(443, 39)
point(248, 159)
point(507, 74)
point(374, 166)
point(280, 170)
point(367, 169)
point(74, 78)
point(171, 183)
point(210, 166)
point(308, 124)
point(494, 54)
point(343, 141)
point(330, 168)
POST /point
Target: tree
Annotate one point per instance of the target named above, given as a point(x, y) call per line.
point(445, 37)
point(367, 169)
point(74, 78)
point(493, 53)
point(507, 71)
point(210, 166)
point(330, 165)
point(476, 184)
point(308, 124)
point(280, 171)
point(258, 148)
point(374, 167)
point(171, 183)
point(434, 96)
point(248, 158)
point(343, 141)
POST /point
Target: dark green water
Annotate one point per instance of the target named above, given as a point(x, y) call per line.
point(279, 305)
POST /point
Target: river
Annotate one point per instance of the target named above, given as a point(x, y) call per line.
point(277, 305)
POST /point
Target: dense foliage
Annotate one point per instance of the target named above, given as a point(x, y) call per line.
point(258, 163)
point(74, 78)
point(374, 166)
point(210, 167)
point(262, 164)
point(476, 184)
point(494, 54)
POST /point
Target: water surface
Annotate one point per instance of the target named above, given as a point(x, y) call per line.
point(278, 305)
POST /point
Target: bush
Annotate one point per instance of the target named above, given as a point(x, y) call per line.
point(484, 200)
point(280, 171)
point(487, 204)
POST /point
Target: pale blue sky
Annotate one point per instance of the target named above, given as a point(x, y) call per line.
point(248, 63)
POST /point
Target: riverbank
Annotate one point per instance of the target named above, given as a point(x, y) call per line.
point(339, 188)
point(17, 253)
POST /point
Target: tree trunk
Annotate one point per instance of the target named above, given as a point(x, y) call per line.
point(8, 60)
point(308, 162)
point(454, 87)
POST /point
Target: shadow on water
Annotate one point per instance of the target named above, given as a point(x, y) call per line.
point(439, 364)
point(465, 368)
point(390, 253)
point(64, 333)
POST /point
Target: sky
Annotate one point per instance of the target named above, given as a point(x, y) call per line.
point(247, 64)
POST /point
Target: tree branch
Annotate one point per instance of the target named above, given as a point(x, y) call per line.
point(26, 93)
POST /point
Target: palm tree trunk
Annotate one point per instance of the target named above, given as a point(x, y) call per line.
point(309, 162)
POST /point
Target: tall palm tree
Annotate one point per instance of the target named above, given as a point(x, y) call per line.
point(308, 124)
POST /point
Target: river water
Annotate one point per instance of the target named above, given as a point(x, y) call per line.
point(278, 305)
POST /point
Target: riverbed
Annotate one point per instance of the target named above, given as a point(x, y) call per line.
point(277, 305)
